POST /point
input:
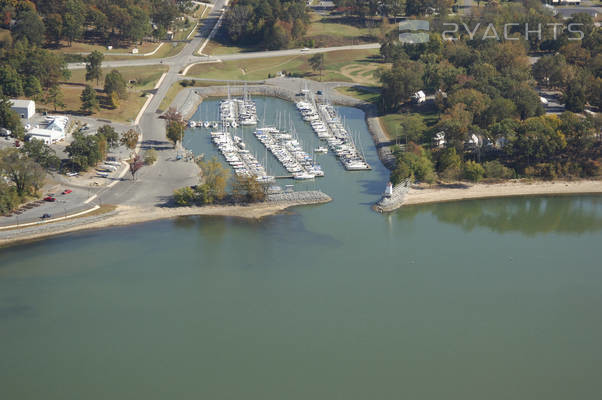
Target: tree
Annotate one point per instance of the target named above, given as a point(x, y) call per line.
point(110, 135)
point(41, 153)
point(175, 126)
point(54, 96)
point(93, 66)
point(85, 151)
point(135, 164)
point(411, 128)
point(574, 96)
point(29, 26)
point(54, 27)
point(317, 63)
point(215, 176)
point(25, 173)
point(130, 139)
point(73, 19)
point(8, 118)
point(32, 88)
point(10, 81)
point(473, 171)
point(399, 83)
point(114, 83)
point(89, 100)
point(449, 164)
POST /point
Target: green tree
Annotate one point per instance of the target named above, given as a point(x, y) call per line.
point(399, 83)
point(89, 100)
point(23, 172)
point(175, 126)
point(114, 83)
point(54, 96)
point(41, 153)
point(10, 81)
point(85, 151)
point(317, 63)
point(32, 88)
point(411, 128)
point(54, 27)
point(110, 135)
point(449, 164)
point(93, 66)
point(473, 171)
point(73, 20)
point(8, 118)
point(29, 26)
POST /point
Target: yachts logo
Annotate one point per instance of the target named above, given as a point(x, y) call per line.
point(414, 37)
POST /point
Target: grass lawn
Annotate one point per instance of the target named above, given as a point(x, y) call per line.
point(390, 122)
point(368, 94)
point(145, 77)
point(339, 31)
point(339, 66)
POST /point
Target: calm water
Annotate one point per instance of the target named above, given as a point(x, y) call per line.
point(492, 299)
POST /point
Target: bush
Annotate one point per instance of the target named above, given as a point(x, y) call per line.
point(150, 157)
point(184, 196)
point(473, 171)
point(495, 169)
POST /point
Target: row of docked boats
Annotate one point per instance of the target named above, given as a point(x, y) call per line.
point(239, 157)
point(203, 124)
point(289, 152)
point(328, 127)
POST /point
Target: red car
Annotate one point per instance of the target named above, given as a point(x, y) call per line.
point(67, 191)
point(49, 198)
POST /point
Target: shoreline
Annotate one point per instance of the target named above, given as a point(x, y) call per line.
point(131, 215)
point(424, 194)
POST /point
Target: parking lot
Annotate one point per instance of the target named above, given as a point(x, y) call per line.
point(63, 204)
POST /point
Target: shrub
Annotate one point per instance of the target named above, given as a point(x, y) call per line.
point(150, 156)
point(184, 196)
point(473, 171)
point(495, 169)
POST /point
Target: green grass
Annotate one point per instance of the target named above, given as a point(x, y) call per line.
point(390, 122)
point(367, 94)
point(259, 68)
point(145, 76)
point(338, 31)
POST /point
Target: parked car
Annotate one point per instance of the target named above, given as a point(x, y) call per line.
point(67, 191)
point(45, 216)
point(49, 198)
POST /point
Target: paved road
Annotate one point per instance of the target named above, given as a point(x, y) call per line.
point(179, 59)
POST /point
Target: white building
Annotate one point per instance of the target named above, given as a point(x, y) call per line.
point(419, 97)
point(55, 131)
point(439, 139)
point(25, 108)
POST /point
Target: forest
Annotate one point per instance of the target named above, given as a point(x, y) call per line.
point(491, 121)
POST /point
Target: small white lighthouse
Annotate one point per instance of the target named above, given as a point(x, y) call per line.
point(389, 190)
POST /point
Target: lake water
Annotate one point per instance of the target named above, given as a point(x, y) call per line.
point(487, 299)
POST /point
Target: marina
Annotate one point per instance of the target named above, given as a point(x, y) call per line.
point(289, 152)
point(327, 125)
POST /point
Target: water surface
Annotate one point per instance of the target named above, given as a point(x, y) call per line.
point(483, 299)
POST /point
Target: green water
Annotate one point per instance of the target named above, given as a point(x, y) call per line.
point(491, 299)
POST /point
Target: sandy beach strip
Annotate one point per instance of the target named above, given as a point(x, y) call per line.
point(424, 194)
point(129, 215)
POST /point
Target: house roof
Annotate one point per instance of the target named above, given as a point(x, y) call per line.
point(22, 103)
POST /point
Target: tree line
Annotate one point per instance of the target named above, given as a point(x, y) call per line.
point(105, 21)
point(272, 24)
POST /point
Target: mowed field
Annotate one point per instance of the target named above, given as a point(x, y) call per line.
point(345, 66)
point(145, 77)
